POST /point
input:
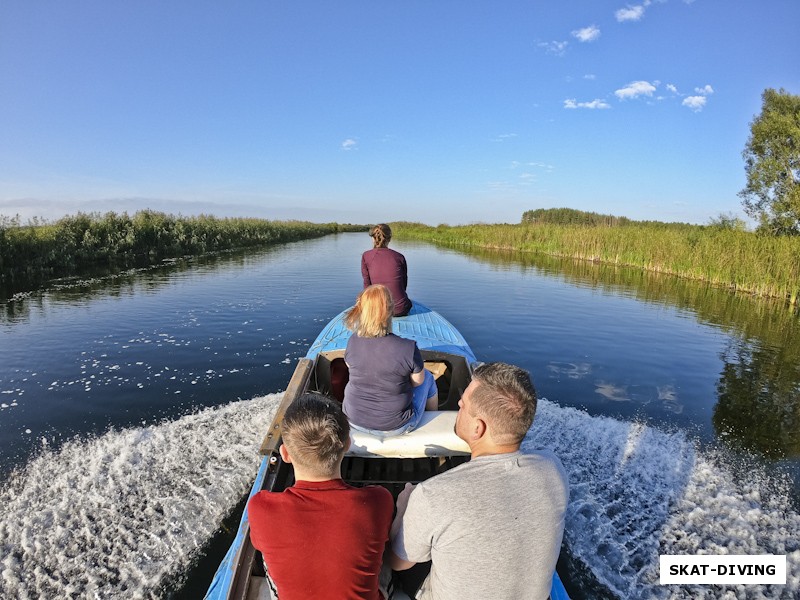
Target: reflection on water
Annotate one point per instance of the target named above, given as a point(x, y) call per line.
point(669, 397)
point(103, 283)
point(612, 392)
point(758, 404)
point(571, 370)
point(759, 399)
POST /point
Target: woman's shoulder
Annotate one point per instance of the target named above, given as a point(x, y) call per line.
point(385, 345)
point(385, 251)
point(401, 341)
point(388, 339)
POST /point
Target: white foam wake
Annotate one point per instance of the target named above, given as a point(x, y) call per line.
point(115, 516)
point(637, 492)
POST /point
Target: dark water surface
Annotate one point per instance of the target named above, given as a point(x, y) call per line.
point(686, 436)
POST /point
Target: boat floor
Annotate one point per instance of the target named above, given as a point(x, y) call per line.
point(260, 590)
point(394, 473)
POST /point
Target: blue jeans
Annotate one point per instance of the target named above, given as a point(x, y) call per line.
point(421, 394)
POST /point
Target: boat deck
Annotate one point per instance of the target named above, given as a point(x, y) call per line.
point(428, 328)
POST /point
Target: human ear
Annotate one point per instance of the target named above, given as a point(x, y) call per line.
point(480, 428)
point(284, 453)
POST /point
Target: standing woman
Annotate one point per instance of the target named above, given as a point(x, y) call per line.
point(389, 387)
point(387, 267)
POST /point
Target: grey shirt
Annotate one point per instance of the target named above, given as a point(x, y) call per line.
point(492, 527)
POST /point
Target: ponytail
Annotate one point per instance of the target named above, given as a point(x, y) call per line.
point(381, 234)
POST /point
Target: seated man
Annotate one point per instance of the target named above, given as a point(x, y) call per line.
point(491, 527)
point(320, 538)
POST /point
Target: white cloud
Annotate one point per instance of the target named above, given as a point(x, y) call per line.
point(541, 165)
point(349, 144)
point(695, 103)
point(635, 89)
point(503, 137)
point(590, 76)
point(587, 34)
point(704, 91)
point(630, 13)
point(596, 103)
point(672, 88)
point(556, 48)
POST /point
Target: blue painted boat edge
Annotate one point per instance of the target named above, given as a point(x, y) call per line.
point(427, 327)
point(557, 589)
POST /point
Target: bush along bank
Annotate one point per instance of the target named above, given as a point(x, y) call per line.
point(33, 253)
point(739, 260)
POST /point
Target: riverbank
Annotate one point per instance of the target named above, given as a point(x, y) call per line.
point(738, 260)
point(33, 253)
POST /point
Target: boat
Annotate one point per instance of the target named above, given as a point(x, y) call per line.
point(430, 449)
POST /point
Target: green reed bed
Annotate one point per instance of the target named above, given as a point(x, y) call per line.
point(34, 252)
point(740, 260)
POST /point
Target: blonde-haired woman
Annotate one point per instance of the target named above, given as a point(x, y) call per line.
point(385, 266)
point(389, 387)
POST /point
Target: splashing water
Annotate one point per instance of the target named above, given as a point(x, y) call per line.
point(116, 516)
point(637, 492)
point(119, 515)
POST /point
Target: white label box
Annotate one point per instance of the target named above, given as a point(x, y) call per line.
point(739, 569)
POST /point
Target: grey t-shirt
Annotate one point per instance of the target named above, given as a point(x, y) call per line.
point(492, 527)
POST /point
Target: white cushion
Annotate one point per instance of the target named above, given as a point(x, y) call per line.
point(434, 436)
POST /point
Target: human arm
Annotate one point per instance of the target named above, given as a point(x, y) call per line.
point(391, 557)
point(404, 272)
point(417, 368)
point(365, 272)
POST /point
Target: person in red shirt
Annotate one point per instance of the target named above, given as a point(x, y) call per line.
point(387, 267)
point(320, 538)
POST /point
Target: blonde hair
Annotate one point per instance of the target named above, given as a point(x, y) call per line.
point(381, 235)
point(372, 314)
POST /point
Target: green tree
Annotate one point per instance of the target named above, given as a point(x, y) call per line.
point(772, 163)
point(728, 221)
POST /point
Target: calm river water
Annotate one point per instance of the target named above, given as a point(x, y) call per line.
point(132, 406)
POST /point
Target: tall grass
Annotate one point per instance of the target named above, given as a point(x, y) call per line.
point(739, 260)
point(36, 251)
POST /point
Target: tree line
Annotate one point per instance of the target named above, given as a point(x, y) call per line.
point(36, 251)
point(570, 216)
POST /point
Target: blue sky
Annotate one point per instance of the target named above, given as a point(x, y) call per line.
point(439, 111)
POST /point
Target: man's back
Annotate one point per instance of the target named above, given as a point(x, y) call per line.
point(492, 527)
point(322, 537)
